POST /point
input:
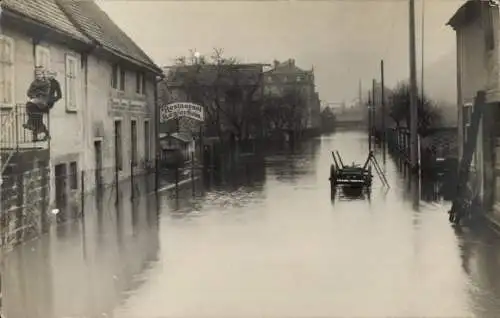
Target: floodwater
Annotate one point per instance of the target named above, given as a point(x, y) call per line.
point(267, 241)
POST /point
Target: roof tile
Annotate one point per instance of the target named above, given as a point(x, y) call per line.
point(46, 12)
point(96, 24)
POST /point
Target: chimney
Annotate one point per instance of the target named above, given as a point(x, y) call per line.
point(276, 63)
point(291, 62)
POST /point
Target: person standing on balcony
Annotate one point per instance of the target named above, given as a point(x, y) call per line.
point(37, 105)
point(55, 93)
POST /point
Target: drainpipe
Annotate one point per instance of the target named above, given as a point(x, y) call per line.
point(157, 134)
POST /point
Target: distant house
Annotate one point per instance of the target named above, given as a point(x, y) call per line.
point(214, 86)
point(183, 143)
point(476, 24)
point(106, 119)
point(285, 75)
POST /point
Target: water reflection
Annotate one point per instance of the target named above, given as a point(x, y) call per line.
point(84, 268)
point(292, 166)
point(262, 240)
point(347, 193)
point(238, 186)
point(480, 257)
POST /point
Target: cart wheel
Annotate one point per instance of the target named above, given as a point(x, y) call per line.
point(333, 175)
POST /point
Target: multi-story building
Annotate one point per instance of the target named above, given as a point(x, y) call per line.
point(476, 24)
point(286, 75)
point(105, 120)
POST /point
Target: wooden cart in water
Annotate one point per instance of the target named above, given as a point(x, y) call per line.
point(354, 176)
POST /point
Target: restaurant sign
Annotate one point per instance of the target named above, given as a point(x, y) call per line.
point(182, 109)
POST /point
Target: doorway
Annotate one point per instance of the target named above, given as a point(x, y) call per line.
point(98, 163)
point(61, 176)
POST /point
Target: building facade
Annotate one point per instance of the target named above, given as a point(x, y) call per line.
point(477, 24)
point(105, 122)
point(286, 75)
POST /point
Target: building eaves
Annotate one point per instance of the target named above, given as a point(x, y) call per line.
point(46, 12)
point(469, 11)
point(97, 25)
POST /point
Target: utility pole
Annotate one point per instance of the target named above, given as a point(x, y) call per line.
point(360, 93)
point(374, 105)
point(422, 52)
point(369, 121)
point(413, 92)
point(382, 101)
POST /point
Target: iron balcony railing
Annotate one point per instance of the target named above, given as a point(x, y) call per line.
point(18, 131)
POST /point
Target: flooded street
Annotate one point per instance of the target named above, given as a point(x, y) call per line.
point(267, 242)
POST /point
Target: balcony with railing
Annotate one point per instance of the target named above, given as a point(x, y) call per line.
point(18, 131)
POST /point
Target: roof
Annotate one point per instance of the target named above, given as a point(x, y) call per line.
point(245, 74)
point(287, 66)
point(466, 13)
point(46, 12)
point(182, 136)
point(96, 24)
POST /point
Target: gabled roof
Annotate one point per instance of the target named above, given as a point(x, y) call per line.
point(469, 11)
point(83, 21)
point(181, 136)
point(46, 12)
point(97, 25)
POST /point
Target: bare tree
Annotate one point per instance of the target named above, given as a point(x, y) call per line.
point(225, 88)
point(399, 109)
point(287, 111)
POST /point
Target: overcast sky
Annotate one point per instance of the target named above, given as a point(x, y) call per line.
point(343, 39)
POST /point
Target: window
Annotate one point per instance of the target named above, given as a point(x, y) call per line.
point(133, 137)
point(6, 71)
point(299, 78)
point(147, 141)
point(140, 83)
point(114, 76)
point(118, 145)
point(122, 79)
point(489, 30)
point(467, 114)
point(71, 83)
point(42, 57)
point(73, 170)
point(118, 77)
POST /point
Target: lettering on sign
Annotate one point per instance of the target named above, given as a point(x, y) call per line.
point(175, 110)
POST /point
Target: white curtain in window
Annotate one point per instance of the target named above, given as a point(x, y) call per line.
point(71, 82)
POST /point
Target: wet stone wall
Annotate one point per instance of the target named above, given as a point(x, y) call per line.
point(24, 197)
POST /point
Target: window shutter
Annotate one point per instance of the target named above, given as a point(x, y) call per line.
point(6, 71)
point(71, 83)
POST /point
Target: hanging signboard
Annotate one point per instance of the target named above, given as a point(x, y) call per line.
point(181, 109)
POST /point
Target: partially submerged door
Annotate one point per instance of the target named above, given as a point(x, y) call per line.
point(61, 176)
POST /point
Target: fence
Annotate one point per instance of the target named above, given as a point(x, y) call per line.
point(438, 149)
point(18, 126)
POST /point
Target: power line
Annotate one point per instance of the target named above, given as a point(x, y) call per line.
point(207, 1)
